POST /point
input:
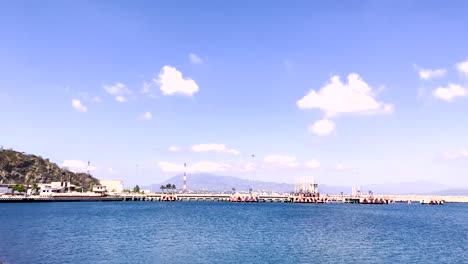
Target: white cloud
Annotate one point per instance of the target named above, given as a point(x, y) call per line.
point(282, 160)
point(250, 166)
point(171, 82)
point(313, 164)
point(462, 67)
point(340, 166)
point(174, 149)
point(427, 74)
point(450, 92)
point(195, 59)
point(119, 90)
point(337, 97)
point(147, 89)
point(199, 167)
point(96, 99)
point(78, 106)
point(76, 165)
point(121, 99)
point(214, 147)
point(147, 116)
point(322, 127)
point(462, 154)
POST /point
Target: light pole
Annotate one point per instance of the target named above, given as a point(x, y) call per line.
point(254, 168)
point(184, 187)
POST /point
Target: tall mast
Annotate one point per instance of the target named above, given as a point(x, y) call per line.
point(184, 189)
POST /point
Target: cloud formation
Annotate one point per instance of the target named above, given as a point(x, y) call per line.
point(119, 90)
point(322, 127)
point(462, 67)
point(215, 148)
point(147, 89)
point(427, 74)
point(195, 59)
point(147, 116)
point(174, 149)
point(282, 160)
point(450, 92)
point(76, 165)
point(171, 82)
point(313, 163)
point(199, 167)
point(76, 104)
point(462, 154)
point(337, 97)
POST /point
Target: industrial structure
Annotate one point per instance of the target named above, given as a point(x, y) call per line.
point(306, 186)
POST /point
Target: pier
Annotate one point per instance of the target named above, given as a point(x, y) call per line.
point(235, 198)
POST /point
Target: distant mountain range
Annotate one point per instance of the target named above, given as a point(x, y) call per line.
point(210, 182)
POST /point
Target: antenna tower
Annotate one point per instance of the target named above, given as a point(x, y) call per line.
point(184, 189)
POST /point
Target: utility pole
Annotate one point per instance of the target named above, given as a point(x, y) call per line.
point(184, 189)
point(251, 181)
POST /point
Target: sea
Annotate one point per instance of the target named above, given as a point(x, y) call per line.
point(220, 232)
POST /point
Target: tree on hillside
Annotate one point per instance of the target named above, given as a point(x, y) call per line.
point(19, 188)
point(136, 189)
point(91, 187)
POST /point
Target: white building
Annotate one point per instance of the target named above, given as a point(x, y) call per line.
point(61, 187)
point(113, 186)
point(6, 188)
point(99, 189)
point(45, 189)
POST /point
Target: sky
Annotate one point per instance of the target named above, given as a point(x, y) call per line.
point(350, 92)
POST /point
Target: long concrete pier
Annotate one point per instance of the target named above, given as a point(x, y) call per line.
point(233, 198)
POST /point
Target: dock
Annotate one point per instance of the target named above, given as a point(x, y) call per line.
point(231, 198)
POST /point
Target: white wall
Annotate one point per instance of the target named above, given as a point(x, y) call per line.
point(111, 185)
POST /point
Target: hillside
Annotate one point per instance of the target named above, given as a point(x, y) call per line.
point(17, 167)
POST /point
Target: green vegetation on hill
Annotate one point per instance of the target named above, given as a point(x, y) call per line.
point(19, 168)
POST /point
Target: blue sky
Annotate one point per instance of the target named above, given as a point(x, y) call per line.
point(351, 92)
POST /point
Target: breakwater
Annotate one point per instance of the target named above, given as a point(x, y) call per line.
point(233, 198)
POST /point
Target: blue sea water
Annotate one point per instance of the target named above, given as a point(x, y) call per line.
point(211, 232)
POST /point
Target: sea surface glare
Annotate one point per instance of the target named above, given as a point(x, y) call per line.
point(212, 232)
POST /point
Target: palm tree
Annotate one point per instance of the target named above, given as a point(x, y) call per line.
point(162, 188)
point(173, 187)
point(169, 186)
point(35, 188)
